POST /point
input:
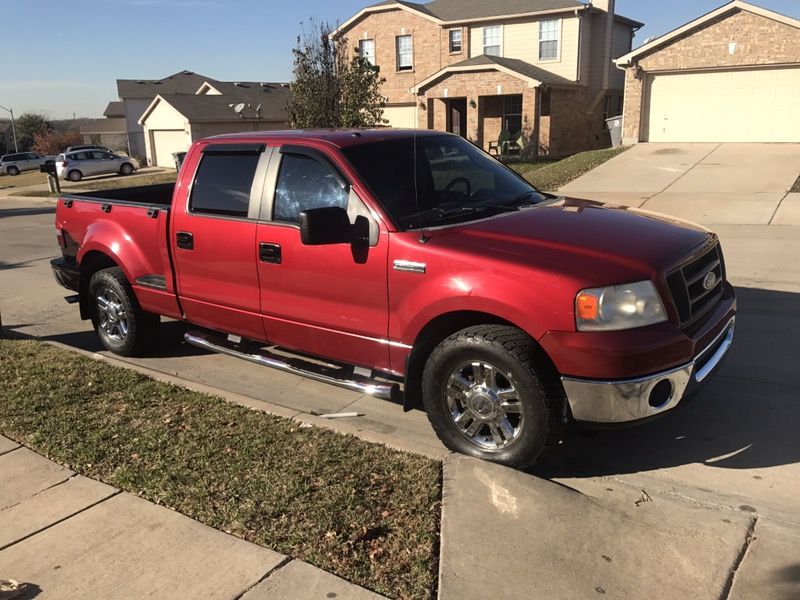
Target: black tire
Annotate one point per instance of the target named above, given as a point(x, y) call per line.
point(123, 327)
point(13, 171)
point(126, 169)
point(518, 370)
point(75, 175)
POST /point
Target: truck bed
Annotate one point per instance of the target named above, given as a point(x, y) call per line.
point(159, 194)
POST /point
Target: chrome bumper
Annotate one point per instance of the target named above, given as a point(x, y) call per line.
point(628, 400)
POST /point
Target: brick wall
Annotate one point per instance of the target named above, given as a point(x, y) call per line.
point(759, 41)
point(431, 48)
point(576, 122)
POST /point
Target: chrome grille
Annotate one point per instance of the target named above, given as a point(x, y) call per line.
point(691, 298)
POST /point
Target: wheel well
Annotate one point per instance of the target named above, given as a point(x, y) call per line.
point(92, 262)
point(428, 338)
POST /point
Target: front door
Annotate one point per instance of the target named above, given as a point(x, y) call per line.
point(457, 116)
point(328, 300)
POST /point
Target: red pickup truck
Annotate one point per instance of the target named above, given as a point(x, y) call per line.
point(387, 259)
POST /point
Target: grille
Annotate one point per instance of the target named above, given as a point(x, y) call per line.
point(691, 298)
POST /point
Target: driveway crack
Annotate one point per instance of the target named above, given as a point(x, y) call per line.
point(684, 174)
point(749, 537)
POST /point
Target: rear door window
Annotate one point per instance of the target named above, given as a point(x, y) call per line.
point(223, 182)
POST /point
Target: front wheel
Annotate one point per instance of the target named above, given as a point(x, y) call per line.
point(13, 171)
point(126, 169)
point(491, 393)
point(75, 175)
point(121, 324)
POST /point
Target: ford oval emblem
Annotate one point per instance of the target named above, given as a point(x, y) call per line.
point(709, 281)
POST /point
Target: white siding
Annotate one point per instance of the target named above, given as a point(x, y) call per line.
point(585, 49)
point(620, 45)
point(521, 41)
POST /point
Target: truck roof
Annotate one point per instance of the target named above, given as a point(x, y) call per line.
point(338, 137)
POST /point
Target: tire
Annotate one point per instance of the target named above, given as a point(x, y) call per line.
point(126, 169)
point(121, 324)
point(75, 175)
point(13, 171)
point(491, 393)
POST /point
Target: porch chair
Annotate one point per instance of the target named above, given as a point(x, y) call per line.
point(515, 145)
point(499, 146)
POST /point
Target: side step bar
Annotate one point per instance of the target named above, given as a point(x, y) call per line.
point(342, 376)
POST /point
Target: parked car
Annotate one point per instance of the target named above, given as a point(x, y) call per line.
point(14, 164)
point(409, 258)
point(74, 166)
point(89, 147)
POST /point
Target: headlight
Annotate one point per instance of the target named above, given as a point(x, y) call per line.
point(619, 307)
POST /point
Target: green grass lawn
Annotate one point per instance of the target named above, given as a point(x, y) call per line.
point(362, 511)
point(107, 183)
point(551, 175)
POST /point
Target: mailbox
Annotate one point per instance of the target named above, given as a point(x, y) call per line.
point(49, 168)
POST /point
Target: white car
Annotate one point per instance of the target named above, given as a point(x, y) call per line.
point(74, 166)
point(14, 164)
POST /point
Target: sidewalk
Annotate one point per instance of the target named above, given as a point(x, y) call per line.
point(72, 537)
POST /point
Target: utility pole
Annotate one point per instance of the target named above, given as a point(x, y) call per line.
point(13, 127)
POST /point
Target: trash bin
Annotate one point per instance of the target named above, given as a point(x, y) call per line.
point(614, 125)
point(178, 158)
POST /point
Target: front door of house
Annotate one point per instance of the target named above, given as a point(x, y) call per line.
point(457, 116)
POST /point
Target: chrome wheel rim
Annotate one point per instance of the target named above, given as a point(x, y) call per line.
point(111, 314)
point(484, 405)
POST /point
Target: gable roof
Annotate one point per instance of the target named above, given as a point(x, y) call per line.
point(730, 7)
point(182, 82)
point(197, 108)
point(534, 75)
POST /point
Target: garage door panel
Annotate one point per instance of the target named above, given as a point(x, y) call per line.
point(757, 105)
point(167, 141)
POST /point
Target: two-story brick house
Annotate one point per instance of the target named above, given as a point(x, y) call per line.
point(539, 68)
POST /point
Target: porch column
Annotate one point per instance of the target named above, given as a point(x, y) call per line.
point(473, 120)
point(440, 114)
point(530, 123)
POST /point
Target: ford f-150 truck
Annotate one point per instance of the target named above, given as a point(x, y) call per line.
point(389, 259)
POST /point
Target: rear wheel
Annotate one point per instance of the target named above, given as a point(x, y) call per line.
point(74, 175)
point(126, 169)
point(491, 393)
point(13, 171)
point(121, 324)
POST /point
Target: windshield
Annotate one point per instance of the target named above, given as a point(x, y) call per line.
point(455, 181)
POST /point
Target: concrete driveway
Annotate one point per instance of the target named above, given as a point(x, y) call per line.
point(730, 184)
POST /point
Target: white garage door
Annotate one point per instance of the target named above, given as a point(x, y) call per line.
point(165, 142)
point(757, 105)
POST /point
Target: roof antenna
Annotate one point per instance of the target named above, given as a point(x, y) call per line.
point(422, 238)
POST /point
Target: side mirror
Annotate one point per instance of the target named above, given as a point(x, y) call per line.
point(327, 225)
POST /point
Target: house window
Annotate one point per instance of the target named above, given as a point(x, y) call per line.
point(455, 41)
point(366, 50)
point(405, 53)
point(492, 40)
point(512, 115)
point(549, 32)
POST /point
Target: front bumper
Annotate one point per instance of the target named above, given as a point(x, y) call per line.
point(66, 272)
point(622, 401)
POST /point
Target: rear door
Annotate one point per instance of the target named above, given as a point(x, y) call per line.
point(329, 300)
point(213, 239)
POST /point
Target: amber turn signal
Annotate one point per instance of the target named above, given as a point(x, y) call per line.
point(587, 307)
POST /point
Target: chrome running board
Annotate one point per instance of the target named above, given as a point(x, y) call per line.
point(341, 376)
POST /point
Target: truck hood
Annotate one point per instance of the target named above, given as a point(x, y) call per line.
point(607, 244)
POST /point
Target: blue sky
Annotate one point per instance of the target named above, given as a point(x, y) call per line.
point(63, 57)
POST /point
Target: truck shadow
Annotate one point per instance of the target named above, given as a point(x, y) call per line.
point(746, 418)
point(170, 342)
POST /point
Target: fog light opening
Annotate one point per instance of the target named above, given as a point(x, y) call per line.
point(661, 393)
